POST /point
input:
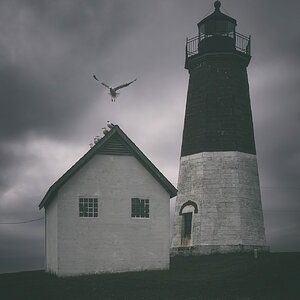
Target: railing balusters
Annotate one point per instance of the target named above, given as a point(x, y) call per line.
point(242, 44)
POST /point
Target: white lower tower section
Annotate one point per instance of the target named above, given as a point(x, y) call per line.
point(218, 206)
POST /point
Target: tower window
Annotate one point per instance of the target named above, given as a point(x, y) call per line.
point(187, 230)
point(88, 207)
point(139, 208)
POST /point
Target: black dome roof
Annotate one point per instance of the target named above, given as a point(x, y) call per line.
point(217, 15)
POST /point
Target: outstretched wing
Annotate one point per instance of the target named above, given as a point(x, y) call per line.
point(101, 82)
point(124, 85)
point(105, 85)
point(95, 77)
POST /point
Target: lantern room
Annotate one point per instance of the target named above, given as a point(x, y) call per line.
point(217, 32)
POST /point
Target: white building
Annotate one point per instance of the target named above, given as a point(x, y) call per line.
point(109, 212)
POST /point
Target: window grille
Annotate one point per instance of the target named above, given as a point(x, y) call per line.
point(88, 207)
point(139, 208)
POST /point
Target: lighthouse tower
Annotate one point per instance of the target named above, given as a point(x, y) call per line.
point(218, 206)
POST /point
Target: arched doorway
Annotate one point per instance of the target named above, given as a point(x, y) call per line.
point(187, 210)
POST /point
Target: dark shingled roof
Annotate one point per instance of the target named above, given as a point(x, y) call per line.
point(116, 142)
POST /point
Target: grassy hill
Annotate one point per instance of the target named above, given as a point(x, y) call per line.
point(230, 276)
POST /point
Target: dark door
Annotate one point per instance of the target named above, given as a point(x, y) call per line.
point(186, 230)
point(187, 224)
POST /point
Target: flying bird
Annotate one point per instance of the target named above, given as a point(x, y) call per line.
point(110, 125)
point(113, 91)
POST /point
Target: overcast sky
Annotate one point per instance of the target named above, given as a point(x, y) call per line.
point(51, 108)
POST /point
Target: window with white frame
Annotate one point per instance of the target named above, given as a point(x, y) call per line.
point(139, 208)
point(88, 207)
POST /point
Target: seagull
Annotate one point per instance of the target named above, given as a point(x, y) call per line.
point(105, 131)
point(113, 91)
point(110, 125)
point(96, 139)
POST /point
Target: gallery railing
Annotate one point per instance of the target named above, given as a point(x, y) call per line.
point(239, 41)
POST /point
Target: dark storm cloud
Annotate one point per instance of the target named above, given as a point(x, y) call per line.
point(277, 24)
point(47, 48)
point(277, 131)
point(21, 251)
point(275, 104)
point(6, 161)
point(49, 51)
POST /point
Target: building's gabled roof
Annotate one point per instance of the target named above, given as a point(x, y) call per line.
point(116, 142)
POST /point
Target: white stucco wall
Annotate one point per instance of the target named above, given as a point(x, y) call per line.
point(51, 237)
point(113, 241)
point(225, 187)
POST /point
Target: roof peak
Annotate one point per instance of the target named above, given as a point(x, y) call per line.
point(106, 145)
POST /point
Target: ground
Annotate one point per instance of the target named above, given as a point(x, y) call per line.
point(230, 276)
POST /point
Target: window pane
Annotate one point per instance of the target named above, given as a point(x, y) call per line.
point(202, 28)
point(210, 27)
point(230, 27)
point(88, 207)
point(187, 223)
point(139, 208)
point(221, 27)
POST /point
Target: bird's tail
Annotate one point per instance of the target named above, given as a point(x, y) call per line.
point(117, 94)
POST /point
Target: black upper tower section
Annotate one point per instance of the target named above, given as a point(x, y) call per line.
point(218, 113)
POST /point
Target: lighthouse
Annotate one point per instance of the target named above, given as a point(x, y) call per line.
point(218, 207)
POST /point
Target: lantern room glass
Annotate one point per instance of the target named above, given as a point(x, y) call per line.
point(217, 27)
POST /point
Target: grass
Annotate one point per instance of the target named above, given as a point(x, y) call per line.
point(230, 276)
